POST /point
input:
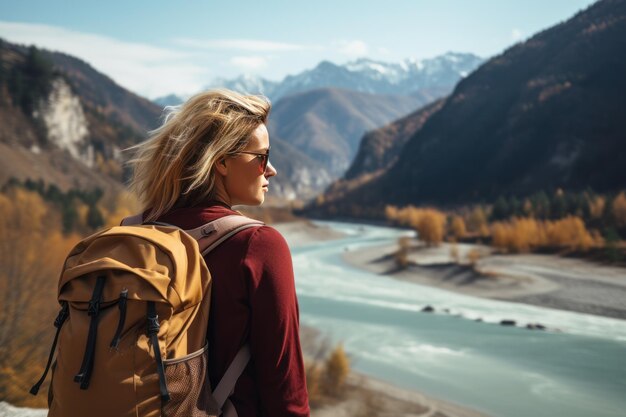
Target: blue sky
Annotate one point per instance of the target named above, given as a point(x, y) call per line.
point(157, 47)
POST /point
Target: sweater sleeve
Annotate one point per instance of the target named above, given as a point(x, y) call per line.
point(274, 331)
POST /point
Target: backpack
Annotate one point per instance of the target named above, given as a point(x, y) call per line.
point(132, 330)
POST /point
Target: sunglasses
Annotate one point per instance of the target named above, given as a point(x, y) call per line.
point(264, 158)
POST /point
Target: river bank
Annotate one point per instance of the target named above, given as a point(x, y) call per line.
point(544, 280)
point(366, 396)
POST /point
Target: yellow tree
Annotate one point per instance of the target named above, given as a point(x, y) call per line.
point(31, 255)
point(477, 220)
point(596, 206)
point(431, 226)
point(458, 227)
point(391, 213)
point(570, 233)
point(619, 209)
point(125, 205)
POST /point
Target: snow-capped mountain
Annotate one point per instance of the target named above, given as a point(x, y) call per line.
point(438, 74)
point(377, 77)
point(246, 84)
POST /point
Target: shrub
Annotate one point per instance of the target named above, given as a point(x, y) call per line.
point(336, 371)
point(313, 383)
point(473, 256)
point(402, 254)
point(457, 227)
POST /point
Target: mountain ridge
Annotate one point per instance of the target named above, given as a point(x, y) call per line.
point(544, 114)
point(364, 75)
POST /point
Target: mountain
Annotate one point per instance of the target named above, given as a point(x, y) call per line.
point(379, 149)
point(428, 78)
point(63, 122)
point(545, 114)
point(317, 132)
point(246, 84)
point(299, 177)
point(169, 100)
point(327, 124)
point(243, 83)
point(377, 77)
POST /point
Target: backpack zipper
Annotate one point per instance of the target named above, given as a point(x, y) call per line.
point(120, 325)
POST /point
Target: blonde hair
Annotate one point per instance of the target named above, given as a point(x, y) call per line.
point(174, 167)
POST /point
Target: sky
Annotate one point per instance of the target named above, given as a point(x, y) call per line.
point(158, 47)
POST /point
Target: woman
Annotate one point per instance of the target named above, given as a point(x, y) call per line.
point(210, 154)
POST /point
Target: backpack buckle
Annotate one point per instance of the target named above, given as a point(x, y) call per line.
point(153, 325)
point(94, 308)
point(206, 231)
point(62, 316)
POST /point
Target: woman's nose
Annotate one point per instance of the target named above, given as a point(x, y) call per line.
point(270, 171)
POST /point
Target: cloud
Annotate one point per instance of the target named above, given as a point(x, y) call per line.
point(145, 69)
point(249, 62)
point(354, 48)
point(516, 34)
point(249, 45)
point(383, 51)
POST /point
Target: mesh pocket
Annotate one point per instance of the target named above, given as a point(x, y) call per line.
point(189, 386)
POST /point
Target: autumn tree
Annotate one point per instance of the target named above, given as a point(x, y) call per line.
point(596, 207)
point(124, 205)
point(518, 234)
point(31, 256)
point(569, 233)
point(431, 226)
point(477, 220)
point(457, 227)
point(619, 209)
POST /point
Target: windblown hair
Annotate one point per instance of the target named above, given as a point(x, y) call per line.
point(174, 167)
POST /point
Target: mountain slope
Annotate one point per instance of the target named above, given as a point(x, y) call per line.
point(327, 124)
point(379, 149)
point(63, 122)
point(547, 113)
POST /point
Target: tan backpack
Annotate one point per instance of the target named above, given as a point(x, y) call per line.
point(133, 324)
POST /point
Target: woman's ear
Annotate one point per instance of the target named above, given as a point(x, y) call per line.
point(221, 167)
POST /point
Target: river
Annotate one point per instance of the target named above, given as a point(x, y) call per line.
point(577, 368)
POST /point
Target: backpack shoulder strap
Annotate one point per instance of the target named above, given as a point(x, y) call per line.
point(227, 384)
point(210, 235)
point(132, 220)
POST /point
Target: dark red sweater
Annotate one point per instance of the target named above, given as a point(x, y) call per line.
point(253, 301)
